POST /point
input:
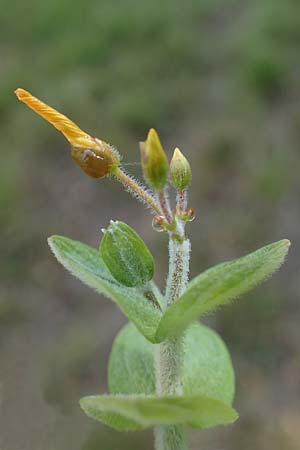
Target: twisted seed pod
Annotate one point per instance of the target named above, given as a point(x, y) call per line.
point(62, 123)
point(96, 158)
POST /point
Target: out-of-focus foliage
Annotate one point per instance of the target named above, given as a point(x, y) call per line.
point(221, 81)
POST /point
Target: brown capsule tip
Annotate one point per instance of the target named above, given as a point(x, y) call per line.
point(188, 215)
point(159, 223)
point(159, 220)
point(190, 212)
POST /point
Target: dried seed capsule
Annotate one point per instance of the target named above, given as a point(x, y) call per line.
point(154, 161)
point(97, 162)
point(180, 170)
point(95, 157)
point(126, 255)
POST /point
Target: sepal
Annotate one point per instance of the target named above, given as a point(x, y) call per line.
point(126, 255)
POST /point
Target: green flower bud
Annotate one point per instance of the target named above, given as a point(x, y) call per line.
point(154, 161)
point(126, 255)
point(180, 170)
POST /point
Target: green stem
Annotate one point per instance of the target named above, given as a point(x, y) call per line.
point(170, 437)
point(169, 354)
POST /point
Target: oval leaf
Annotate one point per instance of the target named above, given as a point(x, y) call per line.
point(219, 285)
point(207, 368)
point(85, 263)
point(143, 412)
point(131, 364)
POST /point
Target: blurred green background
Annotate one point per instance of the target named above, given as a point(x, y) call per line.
point(221, 81)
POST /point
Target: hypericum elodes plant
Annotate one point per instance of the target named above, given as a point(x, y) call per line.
point(166, 370)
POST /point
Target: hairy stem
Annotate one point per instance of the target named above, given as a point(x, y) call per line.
point(138, 190)
point(181, 200)
point(179, 257)
point(170, 437)
point(164, 204)
point(169, 354)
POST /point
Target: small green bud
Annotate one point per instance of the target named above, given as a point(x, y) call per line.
point(180, 170)
point(154, 161)
point(126, 255)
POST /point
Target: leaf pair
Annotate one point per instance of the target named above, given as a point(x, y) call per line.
point(208, 380)
point(214, 287)
point(207, 384)
point(206, 365)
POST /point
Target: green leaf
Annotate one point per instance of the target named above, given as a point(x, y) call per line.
point(131, 363)
point(219, 285)
point(143, 412)
point(207, 368)
point(86, 264)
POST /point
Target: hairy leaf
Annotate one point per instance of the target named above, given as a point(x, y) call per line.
point(207, 368)
point(86, 264)
point(219, 285)
point(143, 412)
point(131, 363)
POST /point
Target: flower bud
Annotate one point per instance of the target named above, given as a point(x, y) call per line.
point(126, 255)
point(180, 170)
point(154, 161)
point(94, 156)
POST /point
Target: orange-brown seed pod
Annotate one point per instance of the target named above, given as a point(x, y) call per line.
point(96, 158)
point(97, 162)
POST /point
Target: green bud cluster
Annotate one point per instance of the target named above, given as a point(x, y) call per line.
point(156, 167)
